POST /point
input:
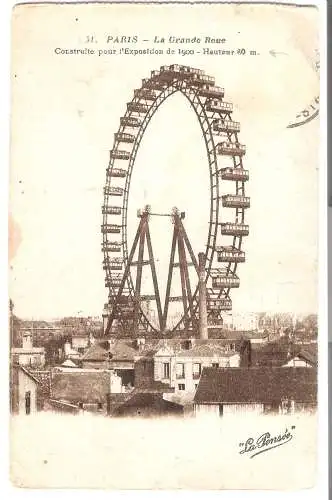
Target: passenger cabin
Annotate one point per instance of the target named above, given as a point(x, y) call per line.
point(113, 191)
point(178, 71)
point(115, 263)
point(124, 137)
point(219, 304)
point(130, 121)
point(154, 83)
point(234, 229)
point(201, 79)
point(111, 228)
point(137, 107)
point(148, 95)
point(234, 174)
point(111, 210)
point(235, 201)
point(219, 125)
point(230, 254)
point(115, 280)
point(217, 105)
point(225, 280)
point(116, 172)
point(112, 246)
point(211, 91)
point(117, 154)
point(230, 148)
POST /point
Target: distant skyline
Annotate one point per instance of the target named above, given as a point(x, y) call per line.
point(99, 317)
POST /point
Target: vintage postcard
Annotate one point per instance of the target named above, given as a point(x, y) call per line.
point(164, 212)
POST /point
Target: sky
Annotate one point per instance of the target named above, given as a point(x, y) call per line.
point(65, 110)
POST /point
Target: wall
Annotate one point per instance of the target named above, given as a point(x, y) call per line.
point(206, 410)
point(297, 362)
point(30, 359)
point(79, 342)
point(234, 409)
point(26, 383)
point(188, 380)
point(203, 410)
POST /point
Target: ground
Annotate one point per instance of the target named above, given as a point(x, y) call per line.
point(100, 452)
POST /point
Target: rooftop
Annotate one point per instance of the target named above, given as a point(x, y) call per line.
point(85, 387)
point(256, 385)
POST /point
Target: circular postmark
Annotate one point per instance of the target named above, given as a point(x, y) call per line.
point(312, 110)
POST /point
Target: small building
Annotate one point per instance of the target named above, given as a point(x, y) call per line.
point(67, 366)
point(148, 404)
point(70, 352)
point(80, 341)
point(23, 391)
point(242, 321)
point(304, 357)
point(116, 355)
point(28, 355)
point(225, 392)
point(85, 389)
point(181, 366)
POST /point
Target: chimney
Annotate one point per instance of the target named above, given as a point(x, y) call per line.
point(140, 342)
point(27, 340)
point(203, 328)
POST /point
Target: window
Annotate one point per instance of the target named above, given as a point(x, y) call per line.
point(196, 370)
point(196, 385)
point(179, 370)
point(166, 370)
point(215, 365)
point(181, 387)
point(100, 406)
point(28, 403)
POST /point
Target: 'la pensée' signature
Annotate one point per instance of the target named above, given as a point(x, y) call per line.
point(265, 442)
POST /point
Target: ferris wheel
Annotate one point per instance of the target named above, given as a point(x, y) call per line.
point(224, 153)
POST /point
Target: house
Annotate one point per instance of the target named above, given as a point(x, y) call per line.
point(81, 340)
point(148, 405)
point(242, 321)
point(180, 365)
point(23, 391)
point(86, 389)
point(117, 355)
point(67, 365)
point(28, 355)
point(41, 332)
point(70, 352)
point(226, 392)
point(306, 357)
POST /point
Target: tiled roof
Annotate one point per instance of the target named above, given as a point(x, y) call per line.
point(177, 345)
point(16, 366)
point(155, 386)
point(260, 385)
point(206, 351)
point(149, 400)
point(119, 350)
point(80, 387)
point(122, 351)
point(309, 353)
point(95, 353)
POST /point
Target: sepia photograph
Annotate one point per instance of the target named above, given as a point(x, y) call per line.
point(163, 246)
